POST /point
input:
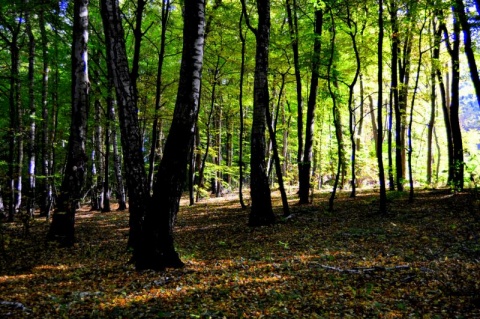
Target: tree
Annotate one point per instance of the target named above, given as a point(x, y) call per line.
point(261, 212)
point(293, 31)
point(454, 51)
point(158, 251)
point(118, 72)
point(306, 166)
point(381, 173)
point(241, 164)
point(63, 222)
point(10, 21)
point(459, 11)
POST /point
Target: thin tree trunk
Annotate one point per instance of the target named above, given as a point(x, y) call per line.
point(106, 179)
point(410, 122)
point(293, 30)
point(381, 173)
point(352, 32)
point(158, 94)
point(14, 133)
point(45, 185)
point(31, 190)
point(459, 10)
point(241, 164)
point(374, 122)
point(404, 77)
point(394, 100)
point(443, 94)
point(207, 147)
point(335, 111)
point(391, 178)
point(278, 168)
point(306, 166)
point(433, 97)
point(117, 165)
point(454, 108)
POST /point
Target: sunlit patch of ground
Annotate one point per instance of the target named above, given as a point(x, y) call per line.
point(422, 260)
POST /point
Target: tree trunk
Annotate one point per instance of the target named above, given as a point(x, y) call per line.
point(31, 189)
point(117, 63)
point(394, 99)
point(293, 29)
point(352, 32)
point(156, 132)
point(459, 10)
point(374, 122)
point(410, 122)
point(306, 165)
point(381, 173)
point(45, 188)
point(63, 222)
point(261, 212)
point(106, 179)
point(404, 79)
point(241, 164)
point(278, 168)
point(433, 97)
point(391, 178)
point(117, 165)
point(443, 94)
point(158, 251)
point(458, 170)
point(14, 134)
point(336, 113)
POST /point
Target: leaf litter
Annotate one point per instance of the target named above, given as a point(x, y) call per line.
point(420, 260)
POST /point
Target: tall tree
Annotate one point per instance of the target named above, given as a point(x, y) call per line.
point(352, 32)
point(459, 11)
point(156, 128)
point(158, 251)
point(118, 71)
point(293, 31)
point(454, 51)
point(306, 166)
point(11, 28)
point(261, 212)
point(63, 222)
point(45, 187)
point(32, 109)
point(381, 172)
point(241, 164)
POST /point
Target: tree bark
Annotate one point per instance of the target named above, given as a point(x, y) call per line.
point(293, 30)
point(241, 164)
point(352, 32)
point(458, 163)
point(459, 10)
point(63, 223)
point(156, 132)
point(306, 166)
point(158, 251)
point(118, 70)
point(381, 173)
point(261, 212)
point(32, 150)
point(45, 188)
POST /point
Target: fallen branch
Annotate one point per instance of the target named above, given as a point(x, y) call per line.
point(362, 270)
point(14, 305)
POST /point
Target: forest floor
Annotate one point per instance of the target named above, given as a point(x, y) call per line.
point(421, 260)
